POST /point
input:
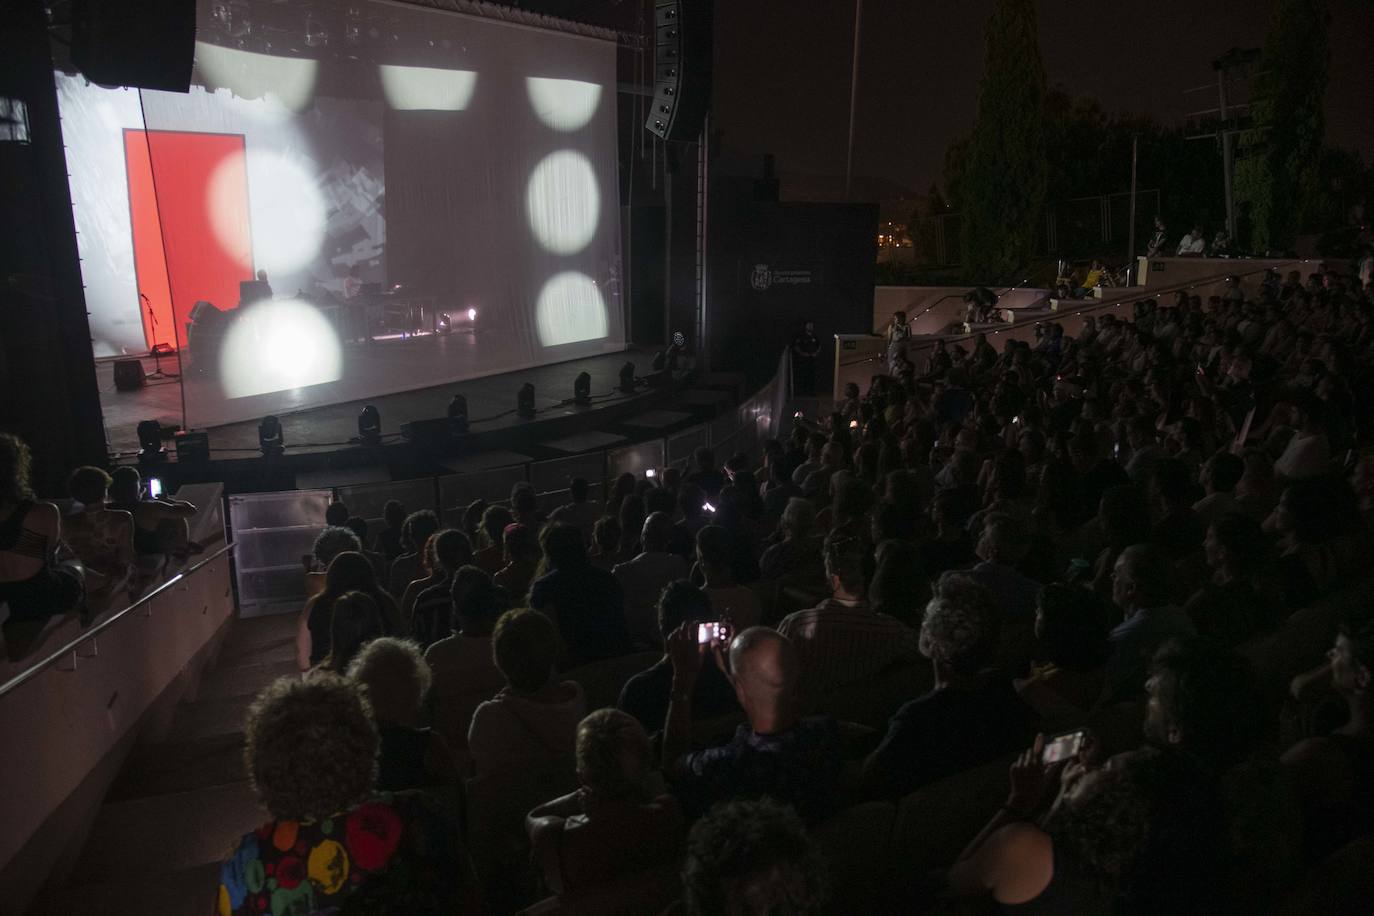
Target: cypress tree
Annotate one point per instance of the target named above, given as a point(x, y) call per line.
point(1002, 185)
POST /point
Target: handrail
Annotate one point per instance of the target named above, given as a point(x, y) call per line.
point(73, 644)
point(912, 320)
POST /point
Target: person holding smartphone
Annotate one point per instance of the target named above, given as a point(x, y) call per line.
point(161, 524)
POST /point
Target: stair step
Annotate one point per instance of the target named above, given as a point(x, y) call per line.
point(187, 890)
point(208, 718)
point(251, 636)
point(145, 838)
point(183, 766)
point(244, 680)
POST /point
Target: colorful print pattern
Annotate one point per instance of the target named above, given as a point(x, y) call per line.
point(289, 868)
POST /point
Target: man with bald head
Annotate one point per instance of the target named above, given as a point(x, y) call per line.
point(776, 753)
point(1141, 583)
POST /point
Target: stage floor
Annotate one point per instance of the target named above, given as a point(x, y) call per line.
point(329, 427)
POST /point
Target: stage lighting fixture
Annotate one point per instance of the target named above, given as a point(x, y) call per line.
point(458, 415)
point(150, 441)
point(524, 401)
point(627, 378)
point(370, 426)
point(270, 438)
point(582, 389)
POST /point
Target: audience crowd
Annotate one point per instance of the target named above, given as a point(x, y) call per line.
point(1067, 564)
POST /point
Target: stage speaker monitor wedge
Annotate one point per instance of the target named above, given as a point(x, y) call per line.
point(682, 69)
point(128, 374)
point(146, 44)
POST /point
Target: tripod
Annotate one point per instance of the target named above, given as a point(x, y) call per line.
point(156, 353)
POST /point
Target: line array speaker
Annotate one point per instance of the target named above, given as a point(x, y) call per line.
point(682, 69)
point(147, 44)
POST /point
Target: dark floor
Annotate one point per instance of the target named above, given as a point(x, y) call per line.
point(327, 427)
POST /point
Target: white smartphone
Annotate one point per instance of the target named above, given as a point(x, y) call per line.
point(155, 487)
point(708, 507)
point(715, 631)
point(1063, 747)
point(651, 473)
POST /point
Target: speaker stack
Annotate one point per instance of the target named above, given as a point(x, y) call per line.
point(682, 69)
point(146, 44)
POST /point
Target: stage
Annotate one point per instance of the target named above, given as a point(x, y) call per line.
point(325, 437)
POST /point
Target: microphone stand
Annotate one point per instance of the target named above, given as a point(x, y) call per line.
point(157, 356)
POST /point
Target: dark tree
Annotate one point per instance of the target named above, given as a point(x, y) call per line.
point(1002, 187)
point(1279, 170)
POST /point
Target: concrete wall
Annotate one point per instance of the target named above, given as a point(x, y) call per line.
point(67, 730)
point(932, 309)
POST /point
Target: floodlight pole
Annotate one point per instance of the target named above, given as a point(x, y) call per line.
point(1130, 244)
point(853, 100)
point(1227, 141)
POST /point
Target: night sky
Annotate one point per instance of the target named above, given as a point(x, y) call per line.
point(782, 72)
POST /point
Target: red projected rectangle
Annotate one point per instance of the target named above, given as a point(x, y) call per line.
point(188, 208)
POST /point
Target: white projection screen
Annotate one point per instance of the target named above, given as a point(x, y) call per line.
point(429, 196)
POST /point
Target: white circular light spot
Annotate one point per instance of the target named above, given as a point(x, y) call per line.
point(285, 207)
point(278, 346)
point(563, 202)
point(570, 308)
point(564, 105)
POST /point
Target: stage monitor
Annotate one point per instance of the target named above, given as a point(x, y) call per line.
point(431, 197)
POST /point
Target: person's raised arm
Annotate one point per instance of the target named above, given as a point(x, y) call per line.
point(684, 653)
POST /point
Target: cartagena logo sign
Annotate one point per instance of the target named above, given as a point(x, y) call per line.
point(761, 278)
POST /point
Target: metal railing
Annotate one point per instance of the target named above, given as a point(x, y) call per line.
point(72, 645)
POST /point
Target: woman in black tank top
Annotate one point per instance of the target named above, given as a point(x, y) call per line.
point(33, 584)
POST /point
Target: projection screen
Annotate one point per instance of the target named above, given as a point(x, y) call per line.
point(352, 200)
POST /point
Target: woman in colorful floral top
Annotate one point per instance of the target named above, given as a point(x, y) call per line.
point(332, 846)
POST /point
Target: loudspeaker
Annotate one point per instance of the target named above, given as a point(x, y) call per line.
point(147, 44)
point(192, 446)
point(682, 68)
point(128, 374)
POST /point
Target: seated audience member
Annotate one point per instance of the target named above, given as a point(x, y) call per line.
point(605, 552)
point(162, 525)
point(430, 572)
point(1308, 453)
point(336, 513)
point(842, 639)
point(729, 600)
point(1322, 540)
point(1333, 774)
point(524, 504)
point(33, 582)
point(102, 538)
point(931, 737)
point(1078, 856)
point(584, 602)
point(1242, 820)
point(354, 621)
point(389, 542)
point(1220, 475)
point(395, 679)
point(751, 858)
point(1141, 583)
point(329, 543)
point(950, 547)
point(643, 579)
point(348, 572)
point(1123, 519)
point(432, 612)
point(522, 561)
point(1145, 449)
point(1233, 607)
point(490, 555)
point(532, 722)
point(463, 670)
point(415, 534)
point(1179, 531)
point(705, 476)
point(332, 843)
point(776, 753)
point(815, 443)
point(798, 554)
point(900, 588)
point(645, 696)
point(618, 823)
point(1194, 243)
point(380, 564)
point(1066, 680)
point(1002, 546)
point(578, 511)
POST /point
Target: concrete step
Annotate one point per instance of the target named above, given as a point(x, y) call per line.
point(144, 839)
point(245, 680)
point(209, 718)
point(185, 891)
point(251, 637)
point(185, 766)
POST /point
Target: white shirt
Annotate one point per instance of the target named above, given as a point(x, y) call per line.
point(1191, 244)
point(1305, 456)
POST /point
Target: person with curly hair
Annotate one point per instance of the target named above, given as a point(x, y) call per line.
point(395, 679)
point(332, 844)
point(102, 537)
point(750, 858)
point(930, 738)
point(620, 822)
point(33, 583)
point(329, 543)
